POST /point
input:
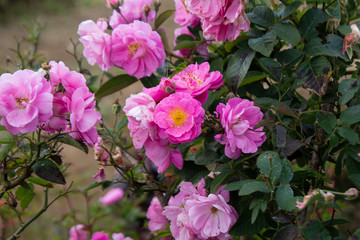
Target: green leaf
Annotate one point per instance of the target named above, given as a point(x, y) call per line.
point(220, 179)
point(335, 10)
point(262, 15)
point(348, 134)
point(316, 230)
point(217, 65)
point(191, 172)
point(252, 76)
point(75, 143)
point(238, 66)
point(162, 18)
point(244, 227)
point(270, 162)
point(289, 57)
point(288, 232)
point(271, 67)
point(252, 186)
point(348, 88)
point(40, 182)
point(287, 32)
point(206, 157)
point(264, 44)
point(25, 196)
point(285, 199)
point(124, 121)
point(355, 178)
point(5, 149)
point(290, 9)
point(327, 121)
point(309, 21)
point(7, 138)
point(114, 84)
point(350, 115)
point(286, 172)
point(184, 45)
point(184, 37)
point(149, 82)
point(47, 170)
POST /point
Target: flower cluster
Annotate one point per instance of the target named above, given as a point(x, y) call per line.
point(64, 103)
point(195, 214)
point(238, 119)
point(132, 45)
point(220, 20)
point(79, 232)
point(170, 113)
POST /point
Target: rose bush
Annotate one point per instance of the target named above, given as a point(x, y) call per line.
point(248, 127)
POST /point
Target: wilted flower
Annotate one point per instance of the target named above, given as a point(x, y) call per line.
point(112, 196)
point(99, 153)
point(351, 38)
point(97, 43)
point(25, 101)
point(328, 196)
point(180, 117)
point(137, 49)
point(351, 194)
point(303, 204)
point(238, 119)
point(100, 175)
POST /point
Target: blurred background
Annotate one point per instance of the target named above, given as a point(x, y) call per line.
point(58, 21)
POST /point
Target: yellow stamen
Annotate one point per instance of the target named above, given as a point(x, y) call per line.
point(132, 48)
point(178, 115)
point(19, 102)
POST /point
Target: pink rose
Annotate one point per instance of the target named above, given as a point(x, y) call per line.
point(132, 10)
point(25, 101)
point(183, 17)
point(204, 8)
point(97, 43)
point(161, 91)
point(137, 49)
point(179, 117)
point(157, 220)
point(100, 175)
point(113, 2)
point(83, 116)
point(120, 236)
point(196, 80)
point(238, 118)
point(112, 196)
point(100, 236)
point(77, 233)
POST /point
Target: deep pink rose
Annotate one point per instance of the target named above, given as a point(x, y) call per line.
point(97, 43)
point(161, 91)
point(183, 17)
point(157, 220)
point(83, 116)
point(137, 49)
point(112, 196)
point(100, 236)
point(77, 233)
point(180, 117)
point(25, 101)
point(196, 80)
point(132, 10)
point(238, 118)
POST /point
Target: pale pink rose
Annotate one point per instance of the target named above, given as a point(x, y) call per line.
point(238, 119)
point(162, 155)
point(189, 189)
point(97, 43)
point(132, 10)
point(210, 215)
point(180, 117)
point(196, 80)
point(100, 236)
point(183, 17)
point(83, 116)
point(139, 110)
point(202, 49)
point(112, 196)
point(120, 236)
point(99, 152)
point(113, 2)
point(77, 233)
point(157, 220)
point(100, 175)
point(25, 101)
point(137, 49)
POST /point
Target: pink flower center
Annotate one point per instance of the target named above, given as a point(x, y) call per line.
point(22, 102)
point(132, 48)
point(214, 210)
point(178, 115)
